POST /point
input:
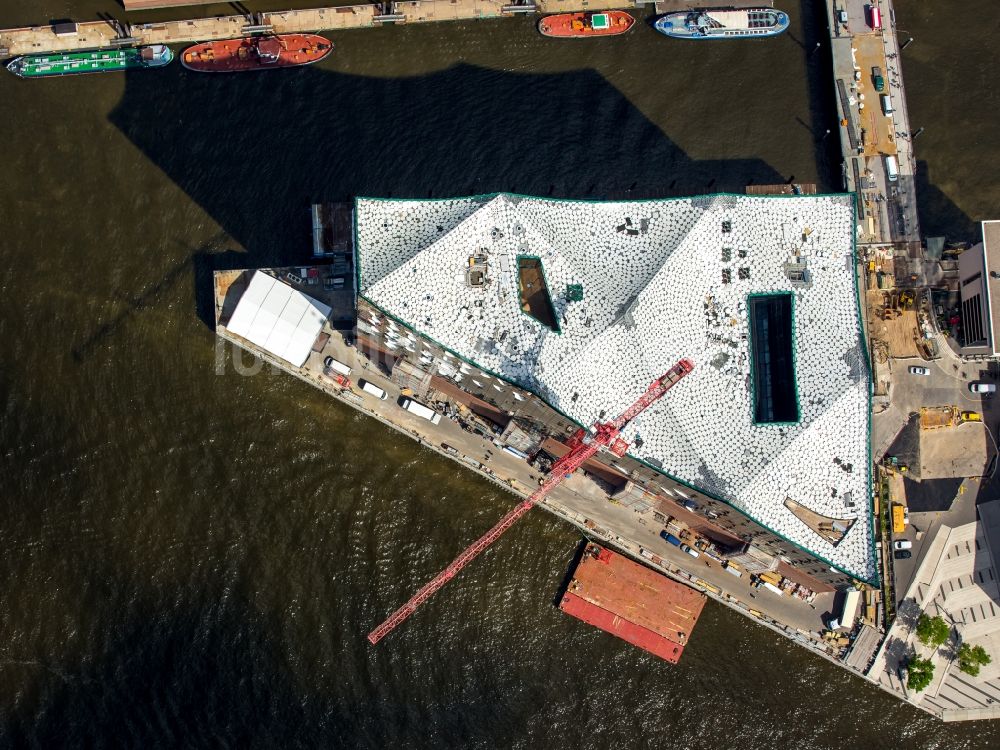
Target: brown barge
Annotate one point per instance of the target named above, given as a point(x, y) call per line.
point(632, 602)
point(256, 53)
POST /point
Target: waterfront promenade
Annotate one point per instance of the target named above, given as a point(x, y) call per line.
point(869, 136)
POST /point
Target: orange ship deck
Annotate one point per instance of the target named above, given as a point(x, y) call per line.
point(235, 55)
point(579, 26)
point(633, 602)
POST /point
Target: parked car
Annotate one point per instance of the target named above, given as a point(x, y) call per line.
point(914, 370)
point(902, 554)
point(902, 544)
point(691, 551)
point(983, 387)
point(877, 80)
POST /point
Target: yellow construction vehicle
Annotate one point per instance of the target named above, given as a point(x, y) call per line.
point(898, 518)
point(971, 416)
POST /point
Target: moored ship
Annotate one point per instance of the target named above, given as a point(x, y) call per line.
point(256, 53)
point(723, 23)
point(583, 25)
point(94, 61)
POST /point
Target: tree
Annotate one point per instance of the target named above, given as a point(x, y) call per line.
point(971, 658)
point(919, 673)
point(932, 631)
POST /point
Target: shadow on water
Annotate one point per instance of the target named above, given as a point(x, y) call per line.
point(939, 216)
point(194, 678)
point(254, 151)
point(151, 295)
point(570, 570)
point(818, 62)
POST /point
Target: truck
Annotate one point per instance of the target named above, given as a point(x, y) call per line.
point(415, 407)
point(874, 16)
point(670, 538)
point(891, 168)
point(849, 609)
point(898, 518)
point(877, 80)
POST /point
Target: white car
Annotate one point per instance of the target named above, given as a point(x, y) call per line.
point(902, 544)
point(983, 387)
point(914, 370)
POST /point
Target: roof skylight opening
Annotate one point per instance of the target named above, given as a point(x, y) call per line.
point(772, 342)
point(534, 292)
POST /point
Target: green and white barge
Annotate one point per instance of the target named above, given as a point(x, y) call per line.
point(94, 61)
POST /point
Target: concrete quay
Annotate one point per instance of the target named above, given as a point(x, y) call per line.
point(107, 34)
point(887, 208)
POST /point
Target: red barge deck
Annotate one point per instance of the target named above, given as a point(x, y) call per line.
point(632, 602)
point(256, 53)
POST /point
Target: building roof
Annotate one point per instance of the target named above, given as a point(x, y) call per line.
point(653, 291)
point(991, 254)
point(957, 578)
point(278, 318)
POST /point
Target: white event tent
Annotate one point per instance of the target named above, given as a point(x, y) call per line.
point(278, 318)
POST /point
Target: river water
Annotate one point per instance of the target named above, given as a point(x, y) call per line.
point(191, 557)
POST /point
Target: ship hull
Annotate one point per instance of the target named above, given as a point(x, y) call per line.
point(248, 53)
point(723, 23)
point(585, 25)
point(95, 61)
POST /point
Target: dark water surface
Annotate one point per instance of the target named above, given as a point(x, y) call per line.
point(193, 559)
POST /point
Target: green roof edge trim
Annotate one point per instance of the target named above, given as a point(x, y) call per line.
point(875, 581)
point(866, 358)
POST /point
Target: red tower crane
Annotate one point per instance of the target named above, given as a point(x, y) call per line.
point(583, 445)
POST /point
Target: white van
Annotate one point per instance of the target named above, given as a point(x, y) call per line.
point(372, 389)
point(891, 168)
point(886, 105)
point(331, 364)
point(415, 407)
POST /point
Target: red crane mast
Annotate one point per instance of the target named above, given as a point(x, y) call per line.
point(583, 445)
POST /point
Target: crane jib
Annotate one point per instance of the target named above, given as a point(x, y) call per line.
point(581, 448)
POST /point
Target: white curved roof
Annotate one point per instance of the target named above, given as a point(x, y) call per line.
point(651, 272)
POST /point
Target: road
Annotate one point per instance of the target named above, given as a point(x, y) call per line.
point(946, 385)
